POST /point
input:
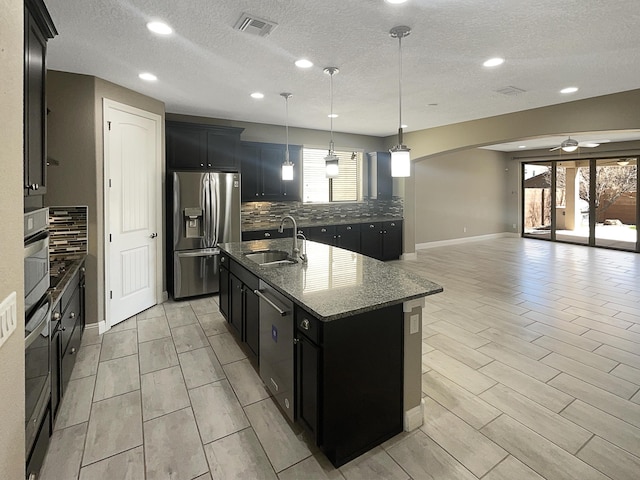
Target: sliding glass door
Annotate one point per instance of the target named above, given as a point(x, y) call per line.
point(537, 199)
point(572, 202)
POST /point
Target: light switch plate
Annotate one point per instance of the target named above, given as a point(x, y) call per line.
point(8, 317)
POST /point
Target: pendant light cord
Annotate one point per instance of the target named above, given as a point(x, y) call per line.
point(331, 115)
point(286, 104)
point(400, 89)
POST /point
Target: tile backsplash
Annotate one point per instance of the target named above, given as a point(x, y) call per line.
point(267, 215)
point(68, 232)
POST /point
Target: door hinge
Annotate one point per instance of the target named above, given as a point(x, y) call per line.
point(109, 125)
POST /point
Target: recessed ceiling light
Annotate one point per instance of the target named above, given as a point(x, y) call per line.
point(160, 28)
point(304, 63)
point(333, 115)
point(395, 2)
point(569, 90)
point(149, 77)
point(257, 95)
point(522, 146)
point(493, 62)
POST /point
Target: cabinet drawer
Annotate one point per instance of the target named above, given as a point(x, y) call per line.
point(308, 325)
point(69, 358)
point(266, 234)
point(70, 316)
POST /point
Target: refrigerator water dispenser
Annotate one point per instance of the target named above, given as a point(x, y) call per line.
point(193, 222)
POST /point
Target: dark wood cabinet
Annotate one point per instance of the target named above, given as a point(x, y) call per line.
point(236, 301)
point(252, 319)
point(192, 146)
point(325, 234)
point(348, 237)
point(38, 28)
point(266, 234)
point(308, 360)
point(261, 167)
point(381, 240)
point(223, 296)
point(371, 239)
point(380, 180)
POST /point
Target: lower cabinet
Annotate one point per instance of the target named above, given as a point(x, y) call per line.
point(381, 240)
point(348, 393)
point(223, 296)
point(236, 299)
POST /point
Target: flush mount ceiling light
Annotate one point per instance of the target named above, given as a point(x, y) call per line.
point(569, 90)
point(331, 160)
point(257, 95)
point(400, 156)
point(287, 166)
point(493, 62)
point(148, 77)
point(160, 28)
point(304, 63)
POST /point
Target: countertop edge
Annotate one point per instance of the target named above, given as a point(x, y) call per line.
point(57, 291)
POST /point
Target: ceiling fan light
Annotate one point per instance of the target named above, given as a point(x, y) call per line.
point(400, 161)
point(570, 148)
point(623, 163)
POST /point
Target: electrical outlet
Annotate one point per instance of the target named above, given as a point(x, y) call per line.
point(8, 317)
point(415, 324)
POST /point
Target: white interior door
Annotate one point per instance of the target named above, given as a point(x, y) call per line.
point(133, 203)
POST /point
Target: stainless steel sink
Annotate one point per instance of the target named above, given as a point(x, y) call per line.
point(270, 257)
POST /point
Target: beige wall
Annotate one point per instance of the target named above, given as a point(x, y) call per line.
point(460, 190)
point(12, 459)
point(76, 140)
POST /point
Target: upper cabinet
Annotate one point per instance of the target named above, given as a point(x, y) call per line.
point(380, 180)
point(261, 167)
point(193, 146)
point(38, 28)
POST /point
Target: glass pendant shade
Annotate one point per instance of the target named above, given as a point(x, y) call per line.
point(287, 168)
point(400, 161)
point(331, 161)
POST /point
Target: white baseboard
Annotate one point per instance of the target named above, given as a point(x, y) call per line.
point(409, 256)
point(414, 418)
point(102, 327)
point(458, 241)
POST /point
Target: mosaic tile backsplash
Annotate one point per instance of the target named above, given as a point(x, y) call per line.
point(68, 232)
point(267, 215)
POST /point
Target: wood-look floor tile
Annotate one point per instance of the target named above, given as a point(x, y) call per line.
point(172, 447)
point(459, 334)
point(458, 372)
point(538, 453)
point(512, 469)
point(554, 313)
point(556, 323)
point(525, 364)
point(283, 443)
point(163, 391)
point(591, 311)
point(618, 355)
point(608, 402)
point(217, 410)
point(515, 343)
point(65, 453)
point(376, 463)
point(578, 354)
point(457, 350)
point(422, 458)
point(458, 319)
point(469, 407)
point(239, 456)
point(576, 340)
point(613, 341)
point(611, 460)
point(550, 425)
point(511, 319)
point(628, 373)
point(539, 392)
point(591, 375)
point(617, 328)
point(200, 367)
point(127, 465)
point(115, 426)
point(463, 442)
point(616, 431)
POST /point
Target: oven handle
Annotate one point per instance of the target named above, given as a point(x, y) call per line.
point(37, 245)
point(29, 339)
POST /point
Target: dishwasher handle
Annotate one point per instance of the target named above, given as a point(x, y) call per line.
point(270, 302)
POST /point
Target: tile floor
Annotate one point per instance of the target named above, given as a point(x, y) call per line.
point(531, 361)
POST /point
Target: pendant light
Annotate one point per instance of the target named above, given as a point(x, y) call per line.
point(400, 157)
point(331, 160)
point(287, 166)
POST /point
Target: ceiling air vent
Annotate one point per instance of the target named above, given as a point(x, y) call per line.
point(510, 90)
point(255, 25)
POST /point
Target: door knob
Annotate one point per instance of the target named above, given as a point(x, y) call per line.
point(153, 235)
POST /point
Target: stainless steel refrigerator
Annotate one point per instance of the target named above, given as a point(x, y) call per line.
point(206, 212)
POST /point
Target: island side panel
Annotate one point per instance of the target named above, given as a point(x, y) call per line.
point(413, 403)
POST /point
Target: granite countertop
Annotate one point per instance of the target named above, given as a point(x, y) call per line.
point(71, 266)
point(321, 223)
point(334, 283)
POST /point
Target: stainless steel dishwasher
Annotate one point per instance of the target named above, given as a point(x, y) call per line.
point(276, 346)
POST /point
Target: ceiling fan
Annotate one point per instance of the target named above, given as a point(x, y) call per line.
point(571, 145)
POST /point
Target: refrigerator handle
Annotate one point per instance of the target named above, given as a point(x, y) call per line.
point(207, 202)
point(216, 219)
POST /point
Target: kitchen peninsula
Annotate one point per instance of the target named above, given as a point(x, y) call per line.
point(347, 335)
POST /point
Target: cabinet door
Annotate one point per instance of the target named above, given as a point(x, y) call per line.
point(250, 169)
point(235, 303)
point(252, 319)
point(326, 234)
point(349, 237)
point(35, 165)
point(224, 288)
point(271, 160)
point(308, 362)
point(392, 240)
point(186, 146)
point(56, 358)
point(371, 239)
point(222, 151)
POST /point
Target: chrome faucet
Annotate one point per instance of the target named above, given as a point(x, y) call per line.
point(295, 251)
point(303, 256)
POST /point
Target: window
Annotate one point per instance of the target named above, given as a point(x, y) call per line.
point(347, 187)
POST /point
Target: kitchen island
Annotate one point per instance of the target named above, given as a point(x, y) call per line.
point(353, 336)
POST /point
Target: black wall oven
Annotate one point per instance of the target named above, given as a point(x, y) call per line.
point(37, 325)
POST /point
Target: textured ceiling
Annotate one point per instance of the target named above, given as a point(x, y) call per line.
point(207, 68)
